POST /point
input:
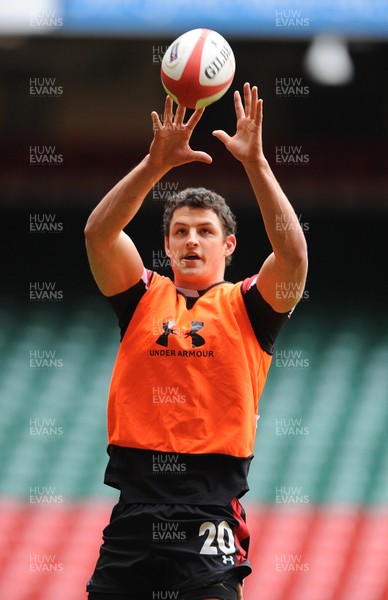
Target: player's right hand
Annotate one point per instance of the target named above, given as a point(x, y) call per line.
point(170, 146)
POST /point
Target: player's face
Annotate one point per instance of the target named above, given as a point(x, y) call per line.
point(197, 247)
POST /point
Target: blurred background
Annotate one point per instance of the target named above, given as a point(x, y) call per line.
point(78, 80)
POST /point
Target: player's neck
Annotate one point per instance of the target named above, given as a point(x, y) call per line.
point(195, 293)
point(196, 283)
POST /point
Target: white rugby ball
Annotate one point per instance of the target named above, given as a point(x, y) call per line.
point(198, 68)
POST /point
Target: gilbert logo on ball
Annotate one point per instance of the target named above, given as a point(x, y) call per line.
point(198, 68)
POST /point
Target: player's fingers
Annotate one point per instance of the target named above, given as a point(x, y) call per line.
point(156, 124)
point(180, 114)
point(195, 117)
point(221, 135)
point(247, 99)
point(254, 103)
point(201, 156)
point(238, 107)
point(167, 115)
point(259, 112)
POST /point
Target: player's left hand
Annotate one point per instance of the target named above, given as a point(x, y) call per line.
point(246, 144)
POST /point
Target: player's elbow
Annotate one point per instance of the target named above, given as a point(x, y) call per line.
point(300, 252)
point(295, 255)
point(88, 232)
point(92, 230)
point(98, 235)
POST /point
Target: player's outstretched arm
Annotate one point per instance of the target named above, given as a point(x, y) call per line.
point(286, 268)
point(114, 260)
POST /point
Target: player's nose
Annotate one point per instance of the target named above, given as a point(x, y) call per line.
point(192, 238)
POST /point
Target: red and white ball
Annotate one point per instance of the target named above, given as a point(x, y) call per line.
point(198, 68)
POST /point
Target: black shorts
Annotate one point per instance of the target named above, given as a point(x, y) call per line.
point(172, 551)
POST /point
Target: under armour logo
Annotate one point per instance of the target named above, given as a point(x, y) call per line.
point(226, 559)
point(169, 329)
point(196, 340)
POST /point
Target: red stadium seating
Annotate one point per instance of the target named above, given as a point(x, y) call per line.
point(309, 553)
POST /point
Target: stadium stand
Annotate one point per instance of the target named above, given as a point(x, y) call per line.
point(317, 508)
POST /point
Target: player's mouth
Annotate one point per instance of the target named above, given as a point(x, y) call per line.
point(191, 257)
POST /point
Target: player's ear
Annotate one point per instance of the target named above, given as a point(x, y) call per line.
point(167, 246)
point(230, 245)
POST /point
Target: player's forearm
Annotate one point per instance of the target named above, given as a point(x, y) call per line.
point(122, 202)
point(281, 223)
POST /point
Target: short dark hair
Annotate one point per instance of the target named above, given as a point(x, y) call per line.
point(201, 198)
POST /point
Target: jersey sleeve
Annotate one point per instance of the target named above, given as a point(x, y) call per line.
point(265, 321)
point(125, 303)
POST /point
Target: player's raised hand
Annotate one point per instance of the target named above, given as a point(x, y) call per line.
point(171, 144)
point(246, 144)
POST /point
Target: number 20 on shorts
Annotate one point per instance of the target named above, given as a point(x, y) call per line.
point(221, 535)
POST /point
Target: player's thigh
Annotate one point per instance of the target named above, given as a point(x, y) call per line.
point(226, 590)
